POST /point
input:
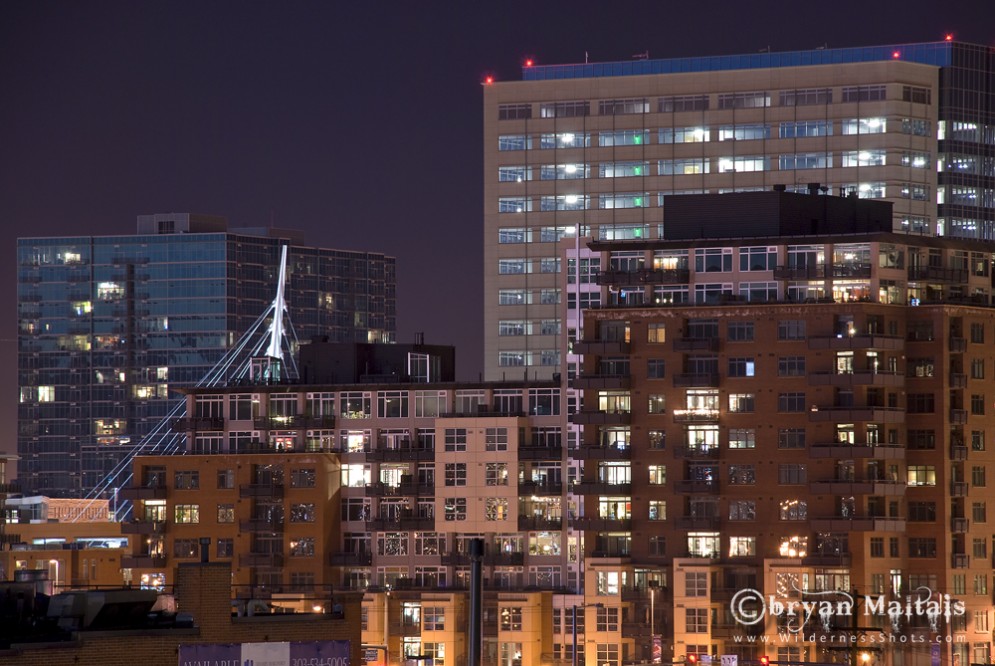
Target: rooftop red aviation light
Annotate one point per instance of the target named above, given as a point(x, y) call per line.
point(488, 80)
point(529, 62)
point(896, 54)
point(949, 37)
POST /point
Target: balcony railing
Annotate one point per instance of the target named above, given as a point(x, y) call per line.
point(960, 561)
point(144, 527)
point(361, 559)
point(698, 522)
point(643, 276)
point(156, 492)
point(800, 272)
point(957, 345)
point(710, 486)
point(959, 525)
point(697, 379)
point(404, 520)
point(599, 417)
point(958, 489)
point(531, 452)
point(958, 452)
point(404, 451)
point(696, 344)
point(856, 413)
point(854, 486)
point(696, 415)
point(593, 381)
point(597, 452)
point(537, 523)
point(261, 525)
point(601, 488)
point(274, 490)
point(958, 380)
point(697, 452)
point(599, 524)
point(858, 524)
point(937, 274)
point(199, 423)
point(261, 560)
point(848, 451)
point(143, 561)
point(857, 341)
point(958, 416)
point(856, 378)
point(540, 487)
point(601, 347)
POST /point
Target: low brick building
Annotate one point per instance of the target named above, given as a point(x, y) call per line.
point(204, 591)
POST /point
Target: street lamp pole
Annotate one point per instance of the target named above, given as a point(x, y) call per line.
point(652, 625)
point(573, 626)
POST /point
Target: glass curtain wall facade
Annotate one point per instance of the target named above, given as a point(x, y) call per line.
point(110, 326)
point(593, 150)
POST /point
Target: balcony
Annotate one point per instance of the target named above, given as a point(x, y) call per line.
point(958, 452)
point(350, 559)
point(532, 452)
point(601, 488)
point(380, 489)
point(856, 414)
point(457, 558)
point(696, 415)
point(637, 630)
point(540, 487)
point(598, 417)
point(958, 489)
point(539, 524)
point(697, 379)
point(697, 453)
point(591, 381)
point(409, 451)
point(411, 487)
point(858, 524)
point(643, 276)
point(957, 345)
point(319, 421)
point(958, 416)
point(143, 561)
point(187, 424)
point(261, 560)
point(959, 525)
point(800, 272)
point(960, 561)
point(856, 378)
point(144, 527)
point(601, 347)
point(937, 274)
point(273, 490)
point(698, 522)
point(850, 270)
point(599, 524)
point(857, 341)
point(827, 560)
point(405, 520)
point(857, 487)
point(696, 344)
point(862, 451)
point(708, 486)
point(260, 525)
point(137, 493)
point(958, 380)
point(609, 452)
point(404, 628)
point(278, 422)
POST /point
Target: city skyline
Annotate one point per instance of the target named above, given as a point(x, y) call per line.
point(292, 119)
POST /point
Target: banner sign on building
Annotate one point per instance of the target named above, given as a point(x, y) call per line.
point(298, 653)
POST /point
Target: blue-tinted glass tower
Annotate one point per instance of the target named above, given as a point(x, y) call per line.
point(109, 326)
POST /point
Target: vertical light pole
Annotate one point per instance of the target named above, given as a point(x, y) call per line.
point(652, 624)
point(574, 626)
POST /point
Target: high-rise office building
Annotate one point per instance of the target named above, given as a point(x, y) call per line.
point(110, 325)
point(594, 149)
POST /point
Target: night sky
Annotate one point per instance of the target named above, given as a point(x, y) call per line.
point(357, 122)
